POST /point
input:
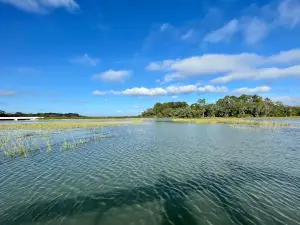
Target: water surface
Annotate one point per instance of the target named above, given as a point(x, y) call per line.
point(159, 173)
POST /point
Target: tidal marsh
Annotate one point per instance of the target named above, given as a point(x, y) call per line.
point(63, 125)
point(234, 121)
point(25, 139)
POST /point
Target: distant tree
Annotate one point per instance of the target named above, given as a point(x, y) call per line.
point(229, 106)
point(2, 113)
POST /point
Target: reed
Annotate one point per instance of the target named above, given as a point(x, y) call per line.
point(62, 126)
point(218, 120)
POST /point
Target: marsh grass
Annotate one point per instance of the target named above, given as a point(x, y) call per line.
point(63, 125)
point(14, 143)
point(231, 121)
point(18, 139)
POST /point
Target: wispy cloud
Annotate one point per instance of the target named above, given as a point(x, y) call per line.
point(251, 91)
point(42, 6)
point(85, 60)
point(113, 75)
point(164, 27)
point(223, 34)
point(27, 70)
point(7, 92)
point(289, 13)
point(189, 34)
point(231, 66)
point(99, 92)
point(256, 28)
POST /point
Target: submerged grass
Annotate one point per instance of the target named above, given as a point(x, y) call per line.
point(63, 125)
point(238, 121)
point(14, 142)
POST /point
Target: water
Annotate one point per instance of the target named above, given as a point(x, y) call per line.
point(159, 173)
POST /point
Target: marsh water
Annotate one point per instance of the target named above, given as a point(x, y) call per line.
point(158, 174)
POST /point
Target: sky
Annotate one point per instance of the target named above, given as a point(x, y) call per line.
point(117, 57)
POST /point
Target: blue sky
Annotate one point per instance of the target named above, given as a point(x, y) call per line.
point(120, 57)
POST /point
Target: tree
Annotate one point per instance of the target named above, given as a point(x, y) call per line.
point(2, 113)
point(229, 106)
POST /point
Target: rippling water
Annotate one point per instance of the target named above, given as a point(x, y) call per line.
point(160, 173)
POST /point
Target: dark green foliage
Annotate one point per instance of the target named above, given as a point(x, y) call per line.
point(229, 106)
point(46, 115)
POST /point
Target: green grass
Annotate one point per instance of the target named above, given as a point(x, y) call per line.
point(63, 125)
point(219, 120)
point(15, 144)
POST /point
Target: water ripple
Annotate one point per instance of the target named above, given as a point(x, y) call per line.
point(159, 174)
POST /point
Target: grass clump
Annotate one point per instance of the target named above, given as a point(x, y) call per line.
point(64, 125)
point(220, 120)
point(15, 143)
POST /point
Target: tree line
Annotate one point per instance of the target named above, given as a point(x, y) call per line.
point(229, 106)
point(45, 115)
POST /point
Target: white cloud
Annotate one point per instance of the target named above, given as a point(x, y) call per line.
point(255, 30)
point(223, 34)
point(213, 63)
point(154, 66)
point(289, 13)
point(7, 93)
point(288, 100)
point(251, 91)
point(170, 90)
point(181, 89)
point(119, 111)
point(113, 75)
point(42, 6)
point(142, 91)
point(260, 74)
point(86, 60)
point(212, 89)
point(285, 57)
point(188, 34)
point(171, 76)
point(174, 96)
point(99, 92)
point(231, 66)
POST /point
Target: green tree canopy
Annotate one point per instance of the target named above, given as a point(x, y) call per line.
point(229, 106)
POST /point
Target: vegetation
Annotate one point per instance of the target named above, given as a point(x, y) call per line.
point(63, 125)
point(229, 106)
point(50, 116)
point(46, 115)
point(14, 144)
point(233, 121)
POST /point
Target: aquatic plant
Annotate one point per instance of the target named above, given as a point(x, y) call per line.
point(218, 120)
point(23, 142)
point(63, 125)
